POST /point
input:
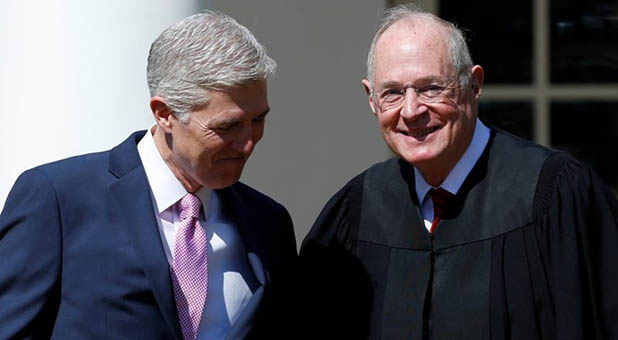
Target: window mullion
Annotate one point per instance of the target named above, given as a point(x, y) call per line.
point(542, 132)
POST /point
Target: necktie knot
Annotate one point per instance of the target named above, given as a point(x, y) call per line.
point(189, 206)
point(440, 199)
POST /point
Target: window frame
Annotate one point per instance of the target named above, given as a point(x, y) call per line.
point(541, 92)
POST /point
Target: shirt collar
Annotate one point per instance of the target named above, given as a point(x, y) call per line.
point(165, 187)
point(458, 174)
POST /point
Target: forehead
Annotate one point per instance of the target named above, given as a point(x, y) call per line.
point(248, 100)
point(411, 50)
point(247, 97)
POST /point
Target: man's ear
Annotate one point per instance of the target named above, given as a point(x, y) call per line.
point(477, 81)
point(163, 115)
point(367, 87)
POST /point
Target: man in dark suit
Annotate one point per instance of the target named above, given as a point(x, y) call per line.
point(469, 233)
point(156, 238)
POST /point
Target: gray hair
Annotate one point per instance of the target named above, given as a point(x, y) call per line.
point(205, 52)
point(458, 48)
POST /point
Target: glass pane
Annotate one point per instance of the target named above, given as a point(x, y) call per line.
point(499, 36)
point(589, 131)
point(584, 41)
point(513, 117)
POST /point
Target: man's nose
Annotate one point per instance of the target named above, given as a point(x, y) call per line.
point(245, 141)
point(412, 106)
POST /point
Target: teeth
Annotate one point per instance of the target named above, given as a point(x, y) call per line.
point(423, 133)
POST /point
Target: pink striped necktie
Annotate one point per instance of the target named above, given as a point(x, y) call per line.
point(190, 266)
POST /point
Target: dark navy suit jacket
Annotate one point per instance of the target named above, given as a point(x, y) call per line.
point(81, 256)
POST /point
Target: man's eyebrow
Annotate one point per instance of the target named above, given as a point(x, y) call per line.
point(390, 84)
point(225, 121)
point(235, 120)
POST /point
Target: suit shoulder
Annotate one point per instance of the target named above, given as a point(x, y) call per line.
point(91, 164)
point(73, 168)
point(75, 162)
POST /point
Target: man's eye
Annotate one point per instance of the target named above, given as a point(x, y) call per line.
point(226, 127)
point(431, 90)
point(391, 94)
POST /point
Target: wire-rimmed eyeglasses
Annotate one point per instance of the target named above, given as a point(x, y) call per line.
point(392, 96)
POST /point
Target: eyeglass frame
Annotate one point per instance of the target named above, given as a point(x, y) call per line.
point(443, 88)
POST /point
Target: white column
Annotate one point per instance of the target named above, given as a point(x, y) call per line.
point(73, 76)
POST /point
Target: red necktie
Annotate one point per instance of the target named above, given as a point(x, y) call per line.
point(440, 198)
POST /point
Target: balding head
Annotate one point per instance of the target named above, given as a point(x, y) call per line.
point(410, 14)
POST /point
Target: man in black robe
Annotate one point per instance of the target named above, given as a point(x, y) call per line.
point(525, 247)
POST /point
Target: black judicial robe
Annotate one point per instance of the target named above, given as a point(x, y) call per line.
point(528, 250)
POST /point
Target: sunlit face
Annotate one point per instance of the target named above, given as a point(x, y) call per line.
point(429, 128)
point(211, 149)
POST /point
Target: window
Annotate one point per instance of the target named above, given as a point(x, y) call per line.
point(551, 70)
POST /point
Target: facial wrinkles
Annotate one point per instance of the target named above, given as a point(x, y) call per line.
point(203, 127)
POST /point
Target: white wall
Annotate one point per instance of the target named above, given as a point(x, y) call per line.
point(73, 76)
point(320, 132)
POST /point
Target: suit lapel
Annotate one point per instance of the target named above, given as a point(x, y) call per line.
point(131, 196)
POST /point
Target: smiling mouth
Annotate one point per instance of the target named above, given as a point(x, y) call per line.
point(420, 133)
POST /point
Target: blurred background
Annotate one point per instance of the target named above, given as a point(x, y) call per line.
point(73, 80)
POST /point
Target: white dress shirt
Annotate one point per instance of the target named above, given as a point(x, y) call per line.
point(231, 281)
point(456, 177)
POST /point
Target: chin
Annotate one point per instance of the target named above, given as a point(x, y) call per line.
point(416, 151)
point(417, 158)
